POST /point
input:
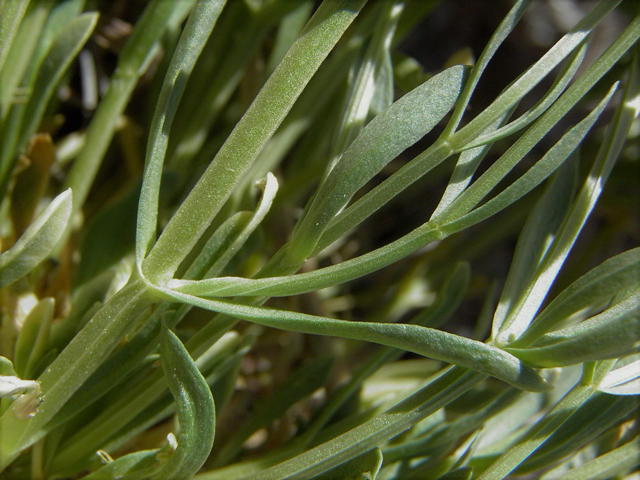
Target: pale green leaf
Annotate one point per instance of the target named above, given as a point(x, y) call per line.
point(429, 342)
point(592, 290)
point(385, 137)
point(199, 26)
point(32, 340)
point(611, 334)
point(37, 242)
point(245, 142)
point(622, 381)
point(11, 13)
point(608, 465)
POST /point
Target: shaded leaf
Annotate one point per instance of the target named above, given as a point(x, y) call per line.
point(196, 411)
point(37, 242)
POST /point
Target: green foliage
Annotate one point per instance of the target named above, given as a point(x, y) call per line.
point(340, 323)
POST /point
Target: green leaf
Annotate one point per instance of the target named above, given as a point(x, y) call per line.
point(512, 95)
point(32, 340)
point(580, 211)
point(37, 242)
point(218, 244)
point(540, 171)
point(73, 366)
point(11, 14)
point(429, 232)
point(465, 168)
point(363, 467)
point(131, 65)
point(414, 338)
point(456, 217)
point(535, 240)
point(375, 431)
point(614, 463)
point(384, 138)
point(134, 466)
point(596, 416)
point(611, 334)
point(269, 186)
point(199, 26)
point(25, 119)
point(363, 89)
point(624, 380)
point(592, 290)
point(245, 142)
point(559, 85)
point(196, 411)
point(537, 433)
point(504, 29)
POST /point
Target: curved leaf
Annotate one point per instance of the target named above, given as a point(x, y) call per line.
point(425, 341)
point(196, 411)
point(134, 466)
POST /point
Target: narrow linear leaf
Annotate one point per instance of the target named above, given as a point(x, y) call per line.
point(134, 466)
point(196, 411)
point(363, 88)
point(559, 85)
point(540, 171)
point(26, 118)
point(611, 334)
point(465, 168)
point(375, 431)
point(72, 367)
point(11, 14)
point(37, 242)
point(622, 381)
point(219, 242)
point(28, 50)
point(428, 232)
point(194, 36)
point(580, 210)
point(269, 186)
point(32, 339)
point(567, 44)
point(415, 338)
point(538, 433)
point(523, 185)
point(363, 467)
point(535, 240)
point(613, 463)
point(248, 138)
point(139, 46)
point(597, 415)
point(599, 285)
point(504, 29)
